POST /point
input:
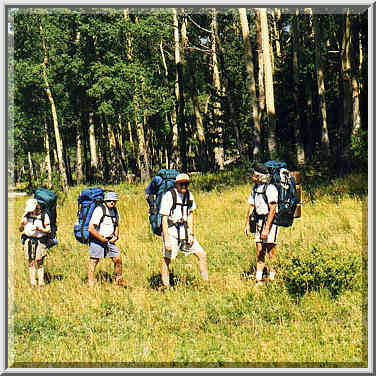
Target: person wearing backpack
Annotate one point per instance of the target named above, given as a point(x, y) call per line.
point(104, 233)
point(177, 207)
point(35, 229)
point(263, 206)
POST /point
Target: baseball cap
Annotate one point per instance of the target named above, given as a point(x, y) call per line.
point(260, 168)
point(182, 178)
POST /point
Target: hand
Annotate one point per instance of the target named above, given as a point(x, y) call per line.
point(247, 230)
point(23, 221)
point(191, 239)
point(264, 233)
point(114, 239)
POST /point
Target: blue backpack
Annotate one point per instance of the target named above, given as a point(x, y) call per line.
point(161, 183)
point(87, 201)
point(287, 193)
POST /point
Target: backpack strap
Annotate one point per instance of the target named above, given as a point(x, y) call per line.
point(174, 200)
point(116, 222)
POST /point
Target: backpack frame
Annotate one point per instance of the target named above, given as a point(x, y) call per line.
point(288, 200)
point(88, 200)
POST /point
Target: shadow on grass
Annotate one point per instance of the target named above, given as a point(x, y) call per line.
point(48, 277)
point(155, 281)
point(251, 273)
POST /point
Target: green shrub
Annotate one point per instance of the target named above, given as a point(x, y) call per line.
point(316, 270)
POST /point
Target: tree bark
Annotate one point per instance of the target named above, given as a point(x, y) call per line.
point(142, 150)
point(93, 150)
point(325, 145)
point(48, 155)
point(219, 155)
point(202, 147)
point(79, 172)
point(59, 143)
point(277, 33)
point(179, 93)
point(300, 157)
point(269, 90)
point(175, 155)
point(356, 56)
point(31, 170)
point(248, 57)
point(347, 92)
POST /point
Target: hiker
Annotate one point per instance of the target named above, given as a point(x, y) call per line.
point(178, 230)
point(263, 206)
point(104, 232)
point(35, 230)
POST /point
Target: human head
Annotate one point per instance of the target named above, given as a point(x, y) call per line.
point(110, 198)
point(260, 174)
point(182, 182)
point(31, 205)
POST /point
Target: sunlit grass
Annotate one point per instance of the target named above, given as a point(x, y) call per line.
point(228, 323)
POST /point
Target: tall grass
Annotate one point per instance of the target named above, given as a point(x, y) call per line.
point(294, 321)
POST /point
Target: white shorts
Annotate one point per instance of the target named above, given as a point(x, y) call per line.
point(196, 247)
point(273, 233)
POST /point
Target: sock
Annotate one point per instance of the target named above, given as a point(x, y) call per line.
point(258, 276)
point(41, 276)
point(166, 280)
point(271, 275)
point(205, 275)
point(33, 281)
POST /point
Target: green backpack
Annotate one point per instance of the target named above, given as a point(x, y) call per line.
point(47, 201)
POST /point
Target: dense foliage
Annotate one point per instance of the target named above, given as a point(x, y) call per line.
point(116, 70)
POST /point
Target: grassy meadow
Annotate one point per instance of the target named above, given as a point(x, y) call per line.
point(313, 315)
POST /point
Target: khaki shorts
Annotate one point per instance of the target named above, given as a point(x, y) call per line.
point(196, 247)
point(40, 252)
point(273, 233)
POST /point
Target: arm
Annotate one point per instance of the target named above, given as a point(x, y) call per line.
point(23, 223)
point(191, 232)
point(269, 220)
point(249, 213)
point(93, 232)
point(165, 232)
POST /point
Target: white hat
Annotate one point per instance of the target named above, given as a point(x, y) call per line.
point(182, 178)
point(110, 196)
point(31, 204)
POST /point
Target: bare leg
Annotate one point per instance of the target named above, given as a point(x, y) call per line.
point(203, 264)
point(165, 271)
point(92, 265)
point(273, 259)
point(118, 271)
point(32, 273)
point(40, 272)
point(260, 253)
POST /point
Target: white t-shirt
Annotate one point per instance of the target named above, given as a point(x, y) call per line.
point(33, 221)
point(107, 226)
point(257, 200)
point(180, 212)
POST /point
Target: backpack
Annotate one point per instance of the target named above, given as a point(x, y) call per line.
point(87, 201)
point(47, 201)
point(288, 199)
point(161, 183)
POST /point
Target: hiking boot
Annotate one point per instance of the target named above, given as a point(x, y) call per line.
point(120, 282)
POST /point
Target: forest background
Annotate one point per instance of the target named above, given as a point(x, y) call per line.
point(110, 95)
